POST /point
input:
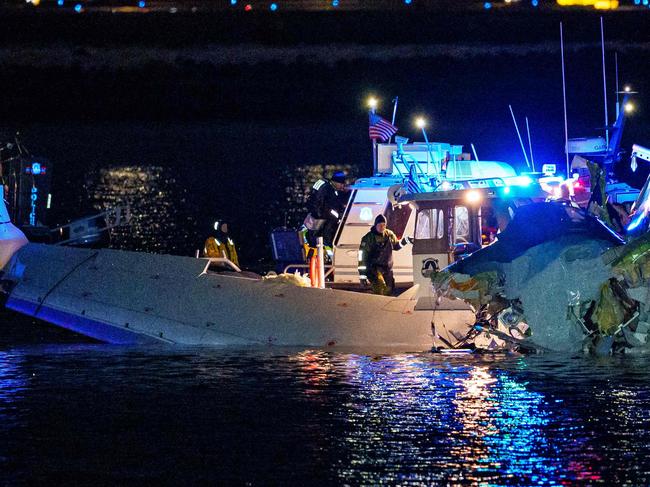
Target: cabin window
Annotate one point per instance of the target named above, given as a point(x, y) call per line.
point(430, 224)
point(423, 225)
point(398, 217)
point(461, 224)
point(441, 224)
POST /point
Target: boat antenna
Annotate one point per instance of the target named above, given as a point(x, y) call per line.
point(474, 151)
point(602, 45)
point(521, 142)
point(618, 104)
point(530, 146)
point(395, 100)
point(566, 130)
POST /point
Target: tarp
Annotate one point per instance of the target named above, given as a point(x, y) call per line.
point(533, 225)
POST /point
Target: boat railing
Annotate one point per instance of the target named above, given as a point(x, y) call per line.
point(83, 228)
point(329, 269)
point(220, 261)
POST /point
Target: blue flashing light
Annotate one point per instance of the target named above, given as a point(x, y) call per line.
point(534, 3)
point(645, 2)
point(506, 190)
point(335, 3)
point(233, 2)
point(637, 2)
point(408, 2)
point(141, 4)
point(77, 8)
point(487, 5)
point(273, 7)
point(59, 3)
point(36, 168)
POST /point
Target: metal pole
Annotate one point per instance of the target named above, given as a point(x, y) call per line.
point(618, 104)
point(375, 169)
point(602, 43)
point(394, 110)
point(566, 129)
point(321, 263)
point(426, 140)
point(521, 142)
point(530, 145)
point(474, 151)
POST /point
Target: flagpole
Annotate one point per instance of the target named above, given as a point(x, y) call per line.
point(374, 149)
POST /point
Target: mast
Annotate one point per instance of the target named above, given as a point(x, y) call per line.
point(618, 100)
point(521, 142)
point(566, 129)
point(530, 145)
point(602, 44)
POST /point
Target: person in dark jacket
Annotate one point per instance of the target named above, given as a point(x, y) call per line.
point(376, 257)
point(326, 205)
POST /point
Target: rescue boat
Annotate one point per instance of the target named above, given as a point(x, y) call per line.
point(133, 297)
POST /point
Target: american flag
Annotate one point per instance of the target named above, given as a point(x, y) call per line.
point(380, 129)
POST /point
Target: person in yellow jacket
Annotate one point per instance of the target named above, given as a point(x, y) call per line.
point(221, 245)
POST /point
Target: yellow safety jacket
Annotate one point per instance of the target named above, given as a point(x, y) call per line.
point(217, 248)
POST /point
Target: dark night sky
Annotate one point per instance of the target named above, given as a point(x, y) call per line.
point(75, 84)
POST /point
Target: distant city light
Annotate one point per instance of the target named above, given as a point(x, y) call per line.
point(629, 107)
point(627, 88)
point(248, 7)
point(78, 8)
point(274, 7)
point(487, 5)
point(420, 122)
point(597, 4)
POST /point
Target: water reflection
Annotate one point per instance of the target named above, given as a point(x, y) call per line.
point(13, 384)
point(409, 420)
point(339, 418)
point(160, 222)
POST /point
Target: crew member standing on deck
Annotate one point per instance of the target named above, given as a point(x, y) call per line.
point(222, 244)
point(376, 257)
point(326, 205)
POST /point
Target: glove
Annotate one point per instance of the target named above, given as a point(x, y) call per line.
point(406, 240)
point(364, 282)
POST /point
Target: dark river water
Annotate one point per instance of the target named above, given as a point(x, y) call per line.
point(83, 413)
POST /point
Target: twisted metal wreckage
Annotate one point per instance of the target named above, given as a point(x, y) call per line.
point(557, 279)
